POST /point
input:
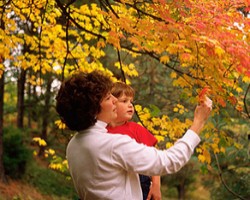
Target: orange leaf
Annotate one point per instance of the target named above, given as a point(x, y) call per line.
point(203, 93)
point(221, 101)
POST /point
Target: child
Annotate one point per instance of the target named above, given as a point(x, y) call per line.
point(125, 110)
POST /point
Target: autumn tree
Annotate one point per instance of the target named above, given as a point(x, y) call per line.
point(193, 44)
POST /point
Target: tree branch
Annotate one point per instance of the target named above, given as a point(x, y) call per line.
point(40, 40)
point(223, 181)
point(109, 7)
point(67, 47)
point(122, 71)
point(146, 14)
point(141, 11)
point(67, 14)
point(245, 101)
point(151, 54)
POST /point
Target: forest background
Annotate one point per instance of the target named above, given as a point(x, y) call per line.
point(172, 52)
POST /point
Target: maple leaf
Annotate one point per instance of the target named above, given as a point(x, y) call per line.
point(203, 93)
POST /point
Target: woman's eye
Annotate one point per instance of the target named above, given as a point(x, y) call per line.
point(108, 97)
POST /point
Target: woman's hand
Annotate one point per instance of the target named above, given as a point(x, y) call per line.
point(201, 114)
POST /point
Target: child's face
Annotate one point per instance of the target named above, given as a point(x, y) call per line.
point(125, 108)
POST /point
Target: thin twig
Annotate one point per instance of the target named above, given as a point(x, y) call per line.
point(68, 14)
point(120, 61)
point(223, 181)
point(245, 101)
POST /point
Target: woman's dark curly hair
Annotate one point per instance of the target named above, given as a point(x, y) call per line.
point(79, 97)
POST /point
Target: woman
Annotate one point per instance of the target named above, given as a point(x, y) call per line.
point(106, 166)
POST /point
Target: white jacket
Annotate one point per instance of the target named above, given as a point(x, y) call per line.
point(106, 166)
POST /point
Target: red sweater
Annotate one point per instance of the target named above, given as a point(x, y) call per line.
point(135, 131)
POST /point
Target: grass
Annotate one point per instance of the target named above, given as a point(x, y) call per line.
point(38, 183)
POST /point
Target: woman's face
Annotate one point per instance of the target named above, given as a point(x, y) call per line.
point(108, 109)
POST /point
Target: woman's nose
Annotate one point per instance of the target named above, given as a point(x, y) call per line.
point(114, 99)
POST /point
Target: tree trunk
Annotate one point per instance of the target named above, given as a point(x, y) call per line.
point(181, 191)
point(29, 103)
point(2, 171)
point(20, 98)
point(45, 116)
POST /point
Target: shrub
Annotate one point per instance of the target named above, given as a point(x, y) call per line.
point(50, 182)
point(16, 154)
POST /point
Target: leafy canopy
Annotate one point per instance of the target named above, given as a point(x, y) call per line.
point(204, 43)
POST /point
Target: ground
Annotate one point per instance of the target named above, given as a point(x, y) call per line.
point(16, 190)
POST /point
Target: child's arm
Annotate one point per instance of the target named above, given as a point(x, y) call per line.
point(155, 189)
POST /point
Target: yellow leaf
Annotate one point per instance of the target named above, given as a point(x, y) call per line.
point(173, 75)
point(222, 149)
point(175, 109)
point(60, 124)
point(207, 156)
point(51, 151)
point(65, 162)
point(164, 59)
point(35, 153)
point(238, 146)
point(138, 108)
point(40, 141)
point(219, 51)
point(181, 111)
point(246, 79)
point(168, 145)
point(198, 150)
point(239, 90)
point(201, 158)
point(36, 139)
point(159, 138)
point(207, 135)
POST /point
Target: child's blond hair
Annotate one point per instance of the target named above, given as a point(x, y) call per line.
point(121, 88)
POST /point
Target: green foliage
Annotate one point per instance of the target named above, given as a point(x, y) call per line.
point(239, 184)
point(235, 174)
point(232, 169)
point(16, 154)
point(50, 182)
point(20, 164)
point(184, 179)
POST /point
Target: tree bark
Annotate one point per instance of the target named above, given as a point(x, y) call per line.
point(3, 177)
point(181, 191)
point(45, 116)
point(29, 102)
point(20, 98)
point(2, 170)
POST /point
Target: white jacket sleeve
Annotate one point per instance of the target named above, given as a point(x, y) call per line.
point(139, 158)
